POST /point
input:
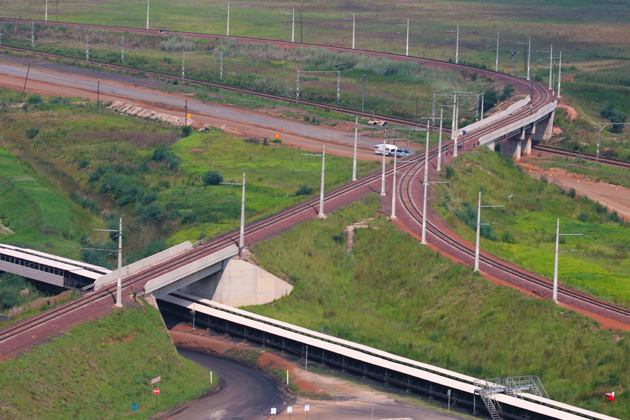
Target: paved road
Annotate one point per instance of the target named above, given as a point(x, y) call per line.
point(248, 394)
point(112, 90)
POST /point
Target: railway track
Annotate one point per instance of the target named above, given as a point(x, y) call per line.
point(262, 229)
point(590, 158)
point(167, 76)
point(255, 231)
point(409, 188)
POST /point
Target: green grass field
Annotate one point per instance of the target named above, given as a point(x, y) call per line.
point(392, 293)
point(524, 230)
point(98, 369)
point(83, 168)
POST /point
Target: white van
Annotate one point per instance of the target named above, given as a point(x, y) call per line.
point(387, 149)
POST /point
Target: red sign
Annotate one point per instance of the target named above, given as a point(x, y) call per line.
point(156, 391)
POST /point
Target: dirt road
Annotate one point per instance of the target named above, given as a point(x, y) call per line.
point(612, 196)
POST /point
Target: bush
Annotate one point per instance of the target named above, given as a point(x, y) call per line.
point(615, 117)
point(34, 99)
point(164, 155)
point(212, 177)
point(572, 193)
point(186, 130)
point(32, 133)
point(304, 190)
point(583, 217)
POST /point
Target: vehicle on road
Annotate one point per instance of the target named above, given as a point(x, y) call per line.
point(380, 123)
point(387, 149)
point(401, 153)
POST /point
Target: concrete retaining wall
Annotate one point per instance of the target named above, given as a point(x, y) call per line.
point(142, 264)
point(241, 284)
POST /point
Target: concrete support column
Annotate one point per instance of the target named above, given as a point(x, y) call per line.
point(549, 127)
point(527, 151)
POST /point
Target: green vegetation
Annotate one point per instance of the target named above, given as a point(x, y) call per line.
point(88, 167)
point(524, 230)
point(394, 87)
point(98, 369)
point(592, 37)
point(391, 293)
point(15, 291)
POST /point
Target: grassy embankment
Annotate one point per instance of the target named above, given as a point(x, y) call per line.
point(524, 230)
point(391, 293)
point(99, 165)
point(98, 369)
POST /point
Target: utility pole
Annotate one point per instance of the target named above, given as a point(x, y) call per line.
point(119, 284)
point(183, 63)
point(555, 266)
point(228, 20)
point(394, 189)
point(338, 85)
point(455, 129)
point(354, 161)
point(479, 207)
point(242, 237)
point(559, 74)
point(456, 44)
point(87, 48)
point(148, 1)
point(122, 50)
point(301, 25)
point(496, 66)
point(407, 49)
point(551, 67)
point(482, 97)
point(599, 131)
point(221, 66)
point(363, 94)
point(293, 25)
point(426, 185)
point(529, 55)
point(353, 28)
point(33, 34)
point(321, 214)
point(383, 173)
point(439, 162)
point(46, 14)
point(297, 87)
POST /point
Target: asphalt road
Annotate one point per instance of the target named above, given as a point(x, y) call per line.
point(178, 102)
point(247, 393)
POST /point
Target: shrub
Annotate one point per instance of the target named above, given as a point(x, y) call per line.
point(304, 190)
point(615, 117)
point(450, 172)
point(212, 177)
point(34, 99)
point(32, 133)
point(572, 193)
point(186, 130)
point(164, 155)
point(583, 217)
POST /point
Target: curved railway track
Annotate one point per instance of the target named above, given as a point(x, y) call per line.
point(410, 191)
point(590, 158)
point(255, 231)
point(408, 188)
